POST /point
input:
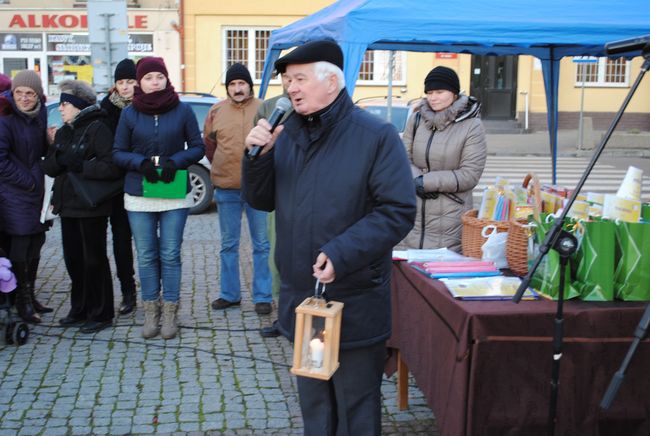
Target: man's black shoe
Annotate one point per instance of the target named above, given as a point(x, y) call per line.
point(126, 307)
point(263, 308)
point(270, 332)
point(220, 304)
point(94, 326)
point(69, 321)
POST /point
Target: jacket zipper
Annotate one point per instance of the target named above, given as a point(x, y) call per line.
point(155, 132)
point(424, 200)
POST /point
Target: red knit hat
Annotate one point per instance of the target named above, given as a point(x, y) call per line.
point(148, 65)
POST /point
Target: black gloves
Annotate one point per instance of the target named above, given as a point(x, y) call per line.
point(419, 190)
point(168, 171)
point(73, 162)
point(148, 169)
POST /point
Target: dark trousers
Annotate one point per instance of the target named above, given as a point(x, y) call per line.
point(26, 247)
point(5, 243)
point(122, 248)
point(24, 251)
point(84, 252)
point(349, 404)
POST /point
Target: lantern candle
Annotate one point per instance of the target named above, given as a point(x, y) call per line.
point(316, 347)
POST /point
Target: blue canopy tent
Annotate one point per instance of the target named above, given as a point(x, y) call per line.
point(548, 30)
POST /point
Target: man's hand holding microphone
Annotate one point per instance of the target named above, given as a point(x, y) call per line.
point(262, 137)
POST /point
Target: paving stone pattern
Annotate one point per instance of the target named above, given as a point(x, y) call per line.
point(217, 377)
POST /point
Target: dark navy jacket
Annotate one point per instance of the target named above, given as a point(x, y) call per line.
point(339, 183)
point(140, 136)
point(22, 145)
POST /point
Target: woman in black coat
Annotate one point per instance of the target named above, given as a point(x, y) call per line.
point(83, 146)
point(117, 99)
point(22, 145)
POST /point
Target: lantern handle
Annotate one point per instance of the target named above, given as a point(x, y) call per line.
point(319, 290)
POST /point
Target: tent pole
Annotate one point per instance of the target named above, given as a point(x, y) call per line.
point(389, 102)
point(554, 109)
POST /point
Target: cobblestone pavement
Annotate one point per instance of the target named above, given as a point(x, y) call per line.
point(218, 377)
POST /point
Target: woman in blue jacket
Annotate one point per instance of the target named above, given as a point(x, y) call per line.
point(156, 136)
point(22, 145)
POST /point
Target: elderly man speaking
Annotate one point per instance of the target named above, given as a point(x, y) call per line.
point(340, 184)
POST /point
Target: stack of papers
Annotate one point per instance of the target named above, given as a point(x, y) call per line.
point(487, 288)
point(424, 255)
point(437, 270)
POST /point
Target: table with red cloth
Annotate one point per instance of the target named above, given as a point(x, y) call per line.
point(485, 366)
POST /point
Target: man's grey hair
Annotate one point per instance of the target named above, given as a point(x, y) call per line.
point(323, 69)
point(80, 89)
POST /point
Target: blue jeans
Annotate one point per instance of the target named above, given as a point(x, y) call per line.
point(230, 207)
point(159, 255)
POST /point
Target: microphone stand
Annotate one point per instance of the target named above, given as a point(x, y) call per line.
point(640, 333)
point(565, 244)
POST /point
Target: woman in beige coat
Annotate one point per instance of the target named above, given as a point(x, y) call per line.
point(445, 142)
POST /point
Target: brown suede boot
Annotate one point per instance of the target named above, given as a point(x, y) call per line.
point(151, 326)
point(169, 327)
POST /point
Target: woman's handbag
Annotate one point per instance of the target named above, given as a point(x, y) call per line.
point(94, 192)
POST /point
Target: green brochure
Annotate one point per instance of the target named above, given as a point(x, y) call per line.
point(177, 188)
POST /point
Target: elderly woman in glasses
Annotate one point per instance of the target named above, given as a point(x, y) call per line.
point(22, 145)
point(83, 147)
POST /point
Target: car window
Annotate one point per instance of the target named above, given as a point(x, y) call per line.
point(200, 111)
point(399, 115)
point(53, 115)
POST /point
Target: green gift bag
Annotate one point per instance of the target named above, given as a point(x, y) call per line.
point(177, 188)
point(632, 275)
point(546, 279)
point(594, 275)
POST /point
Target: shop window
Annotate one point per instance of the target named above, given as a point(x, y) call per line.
point(248, 47)
point(375, 65)
point(68, 67)
point(604, 72)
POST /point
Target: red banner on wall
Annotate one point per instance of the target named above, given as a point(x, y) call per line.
point(446, 55)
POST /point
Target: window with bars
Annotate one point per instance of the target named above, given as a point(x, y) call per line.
point(375, 67)
point(604, 72)
point(248, 47)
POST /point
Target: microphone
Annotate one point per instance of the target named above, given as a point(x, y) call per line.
point(281, 107)
point(627, 45)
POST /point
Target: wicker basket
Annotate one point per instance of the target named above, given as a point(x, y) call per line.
point(519, 231)
point(472, 240)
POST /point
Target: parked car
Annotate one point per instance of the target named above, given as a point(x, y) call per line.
point(400, 111)
point(202, 189)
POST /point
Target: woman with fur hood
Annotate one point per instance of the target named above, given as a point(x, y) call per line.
point(445, 142)
point(82, 151)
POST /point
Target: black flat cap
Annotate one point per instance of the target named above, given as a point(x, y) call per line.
point(314, 51)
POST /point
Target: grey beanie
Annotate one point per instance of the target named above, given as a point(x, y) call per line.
point(30, 79)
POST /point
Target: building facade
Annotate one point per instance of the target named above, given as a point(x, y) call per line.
point(200, 39)
point(216, 34)
point(54, 40)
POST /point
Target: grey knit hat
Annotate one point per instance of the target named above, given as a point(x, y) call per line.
point(30, 79)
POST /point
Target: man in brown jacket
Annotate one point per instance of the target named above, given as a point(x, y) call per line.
point(226, 127)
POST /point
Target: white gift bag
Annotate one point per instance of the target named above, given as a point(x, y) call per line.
point(46, 209)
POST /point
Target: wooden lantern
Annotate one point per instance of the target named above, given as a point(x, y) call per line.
point(317, 338)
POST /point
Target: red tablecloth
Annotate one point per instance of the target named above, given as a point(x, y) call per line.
point(485, 367)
